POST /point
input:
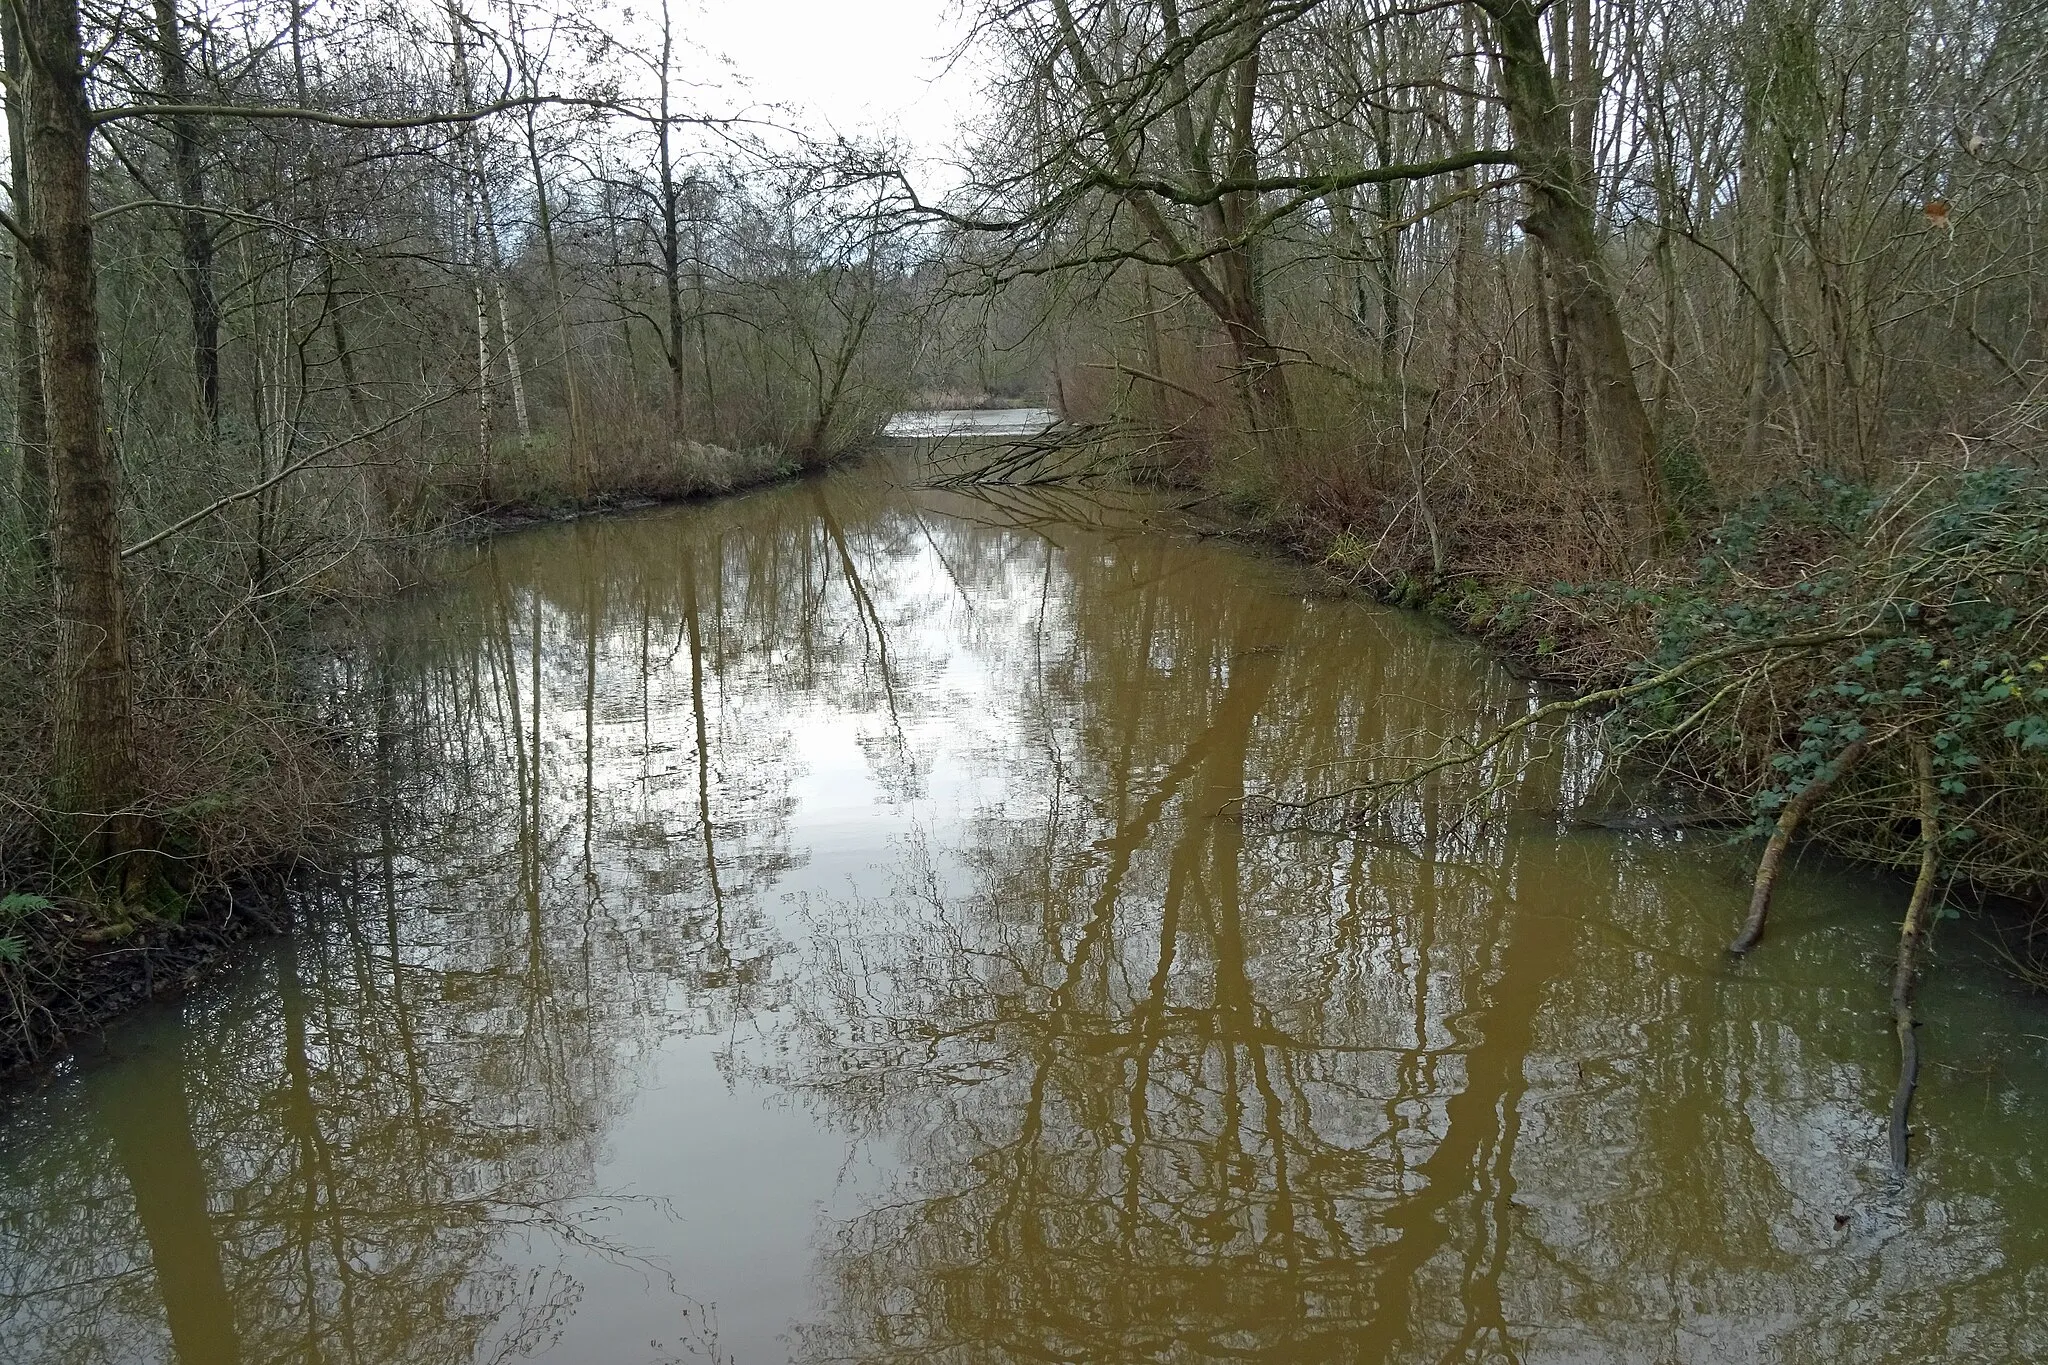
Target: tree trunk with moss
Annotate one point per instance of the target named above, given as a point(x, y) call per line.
point(25, 366)
point(1623, 446)
point(94, 785)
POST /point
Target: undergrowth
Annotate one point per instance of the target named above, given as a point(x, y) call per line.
point(1891, 619)
point(1918, 600)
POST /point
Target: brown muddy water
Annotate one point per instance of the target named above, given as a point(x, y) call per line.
point(802, 928)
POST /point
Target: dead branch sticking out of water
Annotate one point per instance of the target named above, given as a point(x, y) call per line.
point(1363, 807)
point(1912, 938)
point(1789, 820)
point(1063, 455)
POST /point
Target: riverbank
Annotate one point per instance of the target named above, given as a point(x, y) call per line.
point(1788, 566)
point(857, 845)
point(693, 471)
point(1817, 643)
point(251, 789)
point(1787, 662)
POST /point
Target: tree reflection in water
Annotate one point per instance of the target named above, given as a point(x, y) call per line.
point(918, 805)
point(1475, 1091)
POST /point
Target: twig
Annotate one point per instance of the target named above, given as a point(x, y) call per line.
point(222, 504)
point(1606, 696)
point(1912, 936)
point(1136, 373)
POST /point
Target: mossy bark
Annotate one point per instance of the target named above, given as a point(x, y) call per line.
point(94, 786)
point(1623, 447)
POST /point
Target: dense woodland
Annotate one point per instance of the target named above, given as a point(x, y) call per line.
point(1696, 350)
point(1668, 254)
point(1692, 349)
point(296, 287)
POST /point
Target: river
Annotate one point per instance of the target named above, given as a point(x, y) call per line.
point(814, 926)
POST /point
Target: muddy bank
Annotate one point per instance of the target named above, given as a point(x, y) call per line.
point(70, 981)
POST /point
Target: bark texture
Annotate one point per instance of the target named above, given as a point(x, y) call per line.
point(1789, 820)
point(1623, 446)
point(194, 237)
point(25, 365)
point(1912, 942)
point(93, 787)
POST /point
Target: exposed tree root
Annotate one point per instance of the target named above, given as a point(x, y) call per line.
point(74, 983)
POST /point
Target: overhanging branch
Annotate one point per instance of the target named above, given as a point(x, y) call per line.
point(397, 123)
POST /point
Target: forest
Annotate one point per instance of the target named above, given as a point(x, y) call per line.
point(1691, 353)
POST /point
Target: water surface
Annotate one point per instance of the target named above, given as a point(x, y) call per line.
point(811, 927)
point(972, 422)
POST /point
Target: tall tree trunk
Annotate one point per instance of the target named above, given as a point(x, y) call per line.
point(1388, 261)
point(703, 313)
point(486, 472)
point(194, 239)
point(672, 284)
point(1768, 175)
point(25, 364)
point(1155, 353)
point(515, 375)
point(1245, 321)
point(490, 260)
point(94, 782)
point(1584, 87)
point(1561, 220)
point(1386, 253)
point(1261, 368)
point(1348, 293)
point(472, 223)
point(1554, 350)
point(1781, 122)
point(1465, 219)
point(615, 282)
point(1663, 251)
point(1232, 293)
point(337, 329)
point(375, 485)
point(579, 455)
point(671, 237)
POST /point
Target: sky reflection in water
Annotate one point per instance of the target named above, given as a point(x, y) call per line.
point(803, 928)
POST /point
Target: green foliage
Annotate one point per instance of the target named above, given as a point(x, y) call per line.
point(15, 909)
point(1348, 550)
point(1938, 593)
point(1687, 482)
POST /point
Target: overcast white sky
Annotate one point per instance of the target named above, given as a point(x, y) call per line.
point(849, 65)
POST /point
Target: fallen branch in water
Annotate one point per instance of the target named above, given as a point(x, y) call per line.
point(1789, 820)
point(1453, 757)
point(1912, 938)
point(1064, 455)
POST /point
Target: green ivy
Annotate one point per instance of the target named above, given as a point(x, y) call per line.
point(1949, 582)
